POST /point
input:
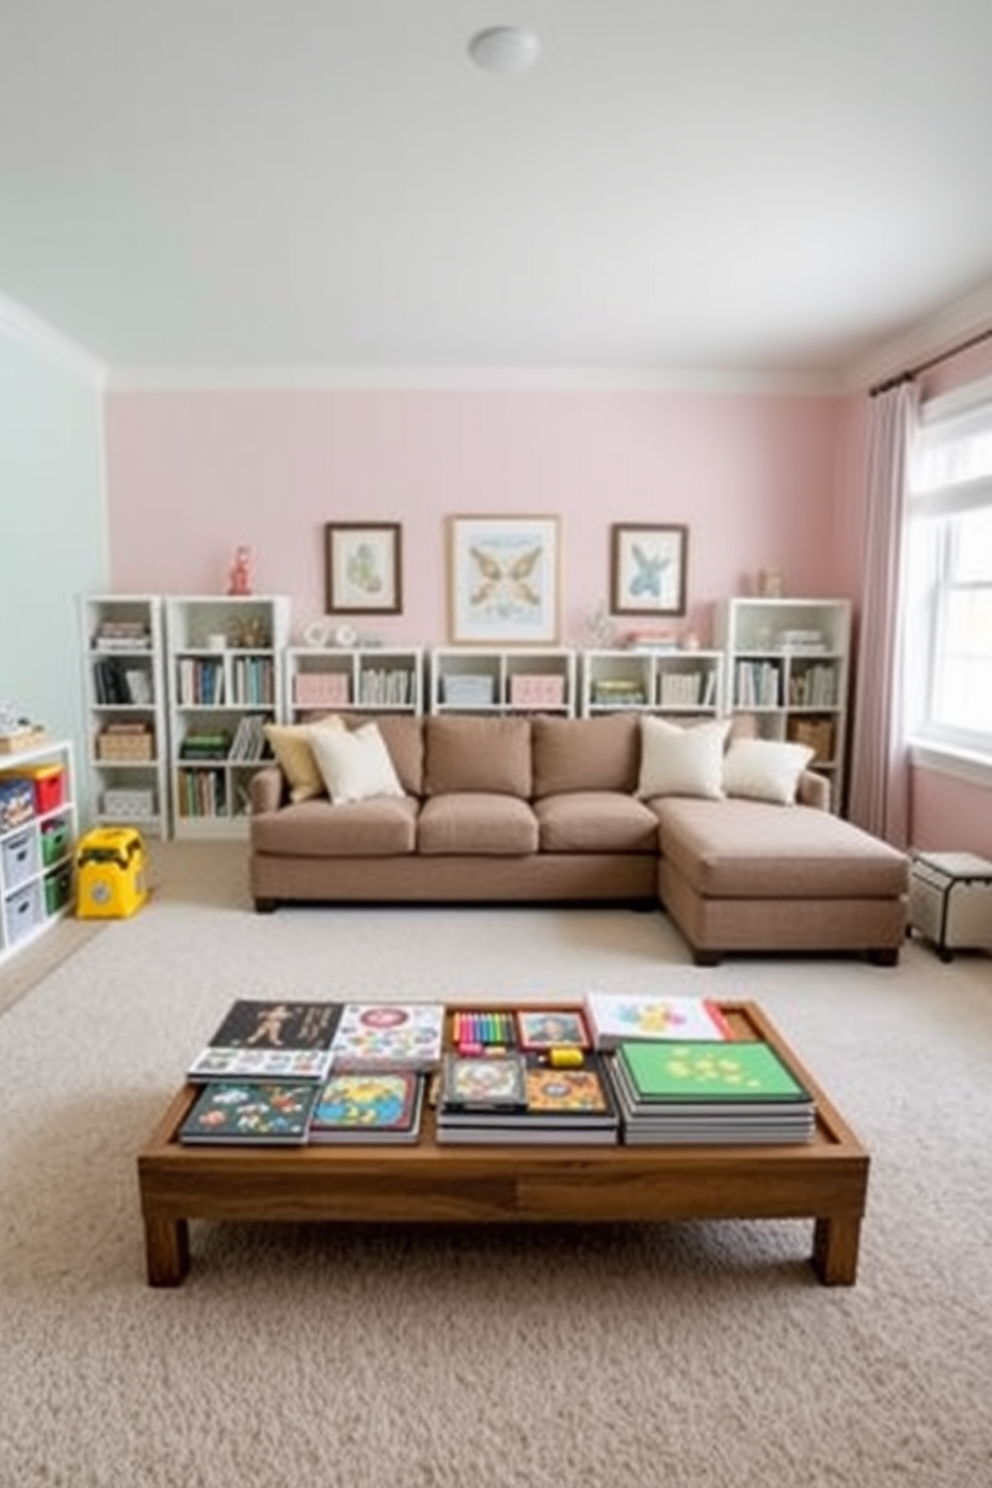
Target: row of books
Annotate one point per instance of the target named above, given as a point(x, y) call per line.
point(635, 1069)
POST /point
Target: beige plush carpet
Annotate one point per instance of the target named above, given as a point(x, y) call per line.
point(689, 1356)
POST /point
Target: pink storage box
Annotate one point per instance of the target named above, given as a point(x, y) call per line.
point(321, 689)
point(537, 690)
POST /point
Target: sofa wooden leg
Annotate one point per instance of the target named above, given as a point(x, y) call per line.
point(887, 957)
point(706, 958)
point(265, 906)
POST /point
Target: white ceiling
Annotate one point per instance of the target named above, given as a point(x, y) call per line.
point(760, 186)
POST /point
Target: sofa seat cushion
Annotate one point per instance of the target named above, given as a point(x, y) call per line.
point(740, 849)
point(379, 828)
point(477, 824)
point(595, 822)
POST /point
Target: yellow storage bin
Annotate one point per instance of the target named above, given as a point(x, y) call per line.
point(110, 873)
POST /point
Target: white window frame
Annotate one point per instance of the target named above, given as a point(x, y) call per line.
point(964, 755)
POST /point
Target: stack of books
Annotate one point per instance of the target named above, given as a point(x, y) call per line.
point(613, 1016)
point(269, 1074)
point(673, 1090)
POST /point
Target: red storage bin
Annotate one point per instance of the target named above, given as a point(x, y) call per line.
point(48, 784)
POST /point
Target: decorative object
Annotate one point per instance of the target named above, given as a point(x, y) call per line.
point(364, 568)
point(317, 633)
point(239, 577)
point(503, 579)
point(598, 629)
point(648, 569)
point(770, 583)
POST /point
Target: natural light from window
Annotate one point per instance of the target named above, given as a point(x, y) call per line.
point(949, 585)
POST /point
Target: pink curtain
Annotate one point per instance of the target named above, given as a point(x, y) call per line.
point(879, 793)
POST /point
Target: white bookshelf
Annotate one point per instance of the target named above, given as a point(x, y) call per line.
point(468, 679)
point(360, 680)
point(788, 673)
point(124, 691)
point(37, 849)
point(224, 658)
point(671, 684)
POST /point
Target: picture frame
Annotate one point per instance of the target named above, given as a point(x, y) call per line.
point(551, 1028)
point(648, 568)
point(503, 580)
point(364, 568)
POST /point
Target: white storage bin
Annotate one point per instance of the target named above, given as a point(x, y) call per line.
point(20, 858)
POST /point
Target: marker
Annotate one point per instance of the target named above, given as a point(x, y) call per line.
point(565, 1058)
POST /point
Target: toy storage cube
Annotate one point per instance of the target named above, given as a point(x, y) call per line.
point(22, 912)
point(110, 880)
point(54, 838)
point(20, 858)
point(16, 802)
point(58, 888)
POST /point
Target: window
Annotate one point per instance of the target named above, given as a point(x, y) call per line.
point(949, 580)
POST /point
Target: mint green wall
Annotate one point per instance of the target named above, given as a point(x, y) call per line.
point(53, 531)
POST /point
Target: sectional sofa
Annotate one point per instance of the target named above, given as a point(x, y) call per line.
point(487, 809)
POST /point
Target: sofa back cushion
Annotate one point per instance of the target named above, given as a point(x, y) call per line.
point(585, 754)
point(477, 754)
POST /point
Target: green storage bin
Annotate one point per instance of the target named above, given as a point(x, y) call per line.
point(58, 889)
point(54, 841)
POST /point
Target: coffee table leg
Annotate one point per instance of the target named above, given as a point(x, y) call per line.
point(835, 1250)
point(166, 1250)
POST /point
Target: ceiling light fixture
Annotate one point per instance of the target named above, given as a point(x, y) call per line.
point(504, 49)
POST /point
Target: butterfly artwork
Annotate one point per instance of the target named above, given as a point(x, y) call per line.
point(504, 579)
point(502, 584)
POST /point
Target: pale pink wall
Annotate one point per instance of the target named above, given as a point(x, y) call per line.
point(191, 474)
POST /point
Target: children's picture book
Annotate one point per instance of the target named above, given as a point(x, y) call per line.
point(369, 1106)
point(566, 1092)
point(707, 1072)
point(252, 1112)
point(269, 1041)
point(259, 1064)
point(486, 1083)
point(389, 1035)
point(278, 1025)
point(617, 1015)
point(551, 1027)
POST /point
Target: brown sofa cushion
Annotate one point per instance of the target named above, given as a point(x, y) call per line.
point(471, 822)
point(477, 754)
point(379, 828)
point(739, 849)
point(596, 822)
point(585, 754)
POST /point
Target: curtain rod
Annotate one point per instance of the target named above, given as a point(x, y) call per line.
point(934, 361)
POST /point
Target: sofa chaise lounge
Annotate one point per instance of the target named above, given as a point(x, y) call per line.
point(545, 809)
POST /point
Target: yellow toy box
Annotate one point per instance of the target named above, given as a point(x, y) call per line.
point(110, 873)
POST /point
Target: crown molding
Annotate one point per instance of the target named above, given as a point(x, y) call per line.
point(940, 333)
point(23, 325)
point(460, 379)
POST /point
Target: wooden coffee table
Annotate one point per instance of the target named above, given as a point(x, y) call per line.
point(825, 1180)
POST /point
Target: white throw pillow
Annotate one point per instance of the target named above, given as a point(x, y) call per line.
point(679, 761)
point(355, 764)
point(765, 770)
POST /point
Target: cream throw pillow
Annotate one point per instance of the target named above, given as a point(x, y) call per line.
point(355, 764)
point(765, 769)
point(291, 746)
point(678, 761)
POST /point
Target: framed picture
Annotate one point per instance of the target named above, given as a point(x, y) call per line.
point(364, 568)
point(647, 575)
point(503, 581)
point(548, 1028)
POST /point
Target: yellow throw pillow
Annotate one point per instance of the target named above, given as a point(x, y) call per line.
point(291, 746)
